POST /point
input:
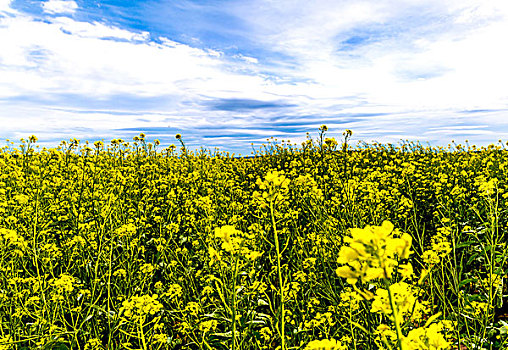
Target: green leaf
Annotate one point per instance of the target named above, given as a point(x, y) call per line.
point(466, 281)
point(464, 244)
point(60, 346)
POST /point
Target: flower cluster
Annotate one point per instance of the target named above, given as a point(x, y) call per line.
point(65, 283)
point(372, 253)
point(233, 241)
point(141, 306)
point(325, 344)
point(274, 186)
point(431, 337)
point(405, 299)
point(90, 232)
point(230, 237)
point(11, 240)
point(440, 247)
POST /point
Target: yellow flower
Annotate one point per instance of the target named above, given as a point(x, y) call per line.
point(253, 255)
point(147, 268)
point(309, 263)
point(401, 246)
point(430, 257)
point(93, 344)
point(214, 255)
point(10, 238)
point(477, 308)
point(174, 291)
point(266, 333)
point(350, 299)
point(274, 186)
point(325, 344)
point(160, 338)
point(127, 230)
point(372, 253)
point(430, 337)
point(346, 272)
point(65, 283)
point(406, 270)
point(208, 326)
point(231, 238)
point(192, 308)
point(347, 254)
point(120, 272)
point(6, 342)
point(385, 332)
point(373, 273)
point(403, 295)
point(140, 306)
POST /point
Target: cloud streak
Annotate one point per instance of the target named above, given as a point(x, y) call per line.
point(59, 6)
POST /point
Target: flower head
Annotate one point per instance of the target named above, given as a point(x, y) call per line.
point(373, 252)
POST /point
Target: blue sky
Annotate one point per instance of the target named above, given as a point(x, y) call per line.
point(230, 73)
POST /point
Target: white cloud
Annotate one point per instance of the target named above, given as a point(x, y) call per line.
point(59, 6)
point(56, 63)
point(83, 63)
point(421, 61)
point(248, 59)
point(97, 30)
point(5, 6)
point(417, 54)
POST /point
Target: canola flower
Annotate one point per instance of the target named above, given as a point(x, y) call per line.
point(440, 247)
point(141, 306)
point(64, 283)
point(230, 237)
point(325, 344)
point(372, 253)
point(137, 245)
point(274, 186)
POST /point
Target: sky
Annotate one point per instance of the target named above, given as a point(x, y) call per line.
point(230, 73)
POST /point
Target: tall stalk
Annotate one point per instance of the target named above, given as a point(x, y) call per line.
point(394, 313)
point(233, 307)
point(279, 273)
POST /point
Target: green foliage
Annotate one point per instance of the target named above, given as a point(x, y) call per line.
point(126, 246)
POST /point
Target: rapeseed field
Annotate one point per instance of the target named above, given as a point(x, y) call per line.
point(316, 246)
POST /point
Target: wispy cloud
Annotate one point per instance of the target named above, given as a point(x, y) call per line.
point(237, 104)
point(5, 6)
point(59, 6)
point(230, 73)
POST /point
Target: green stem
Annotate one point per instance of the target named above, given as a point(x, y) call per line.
point(36, 255)
point(395, 314)
point(351, 325)
point(233, 307)
point(109, 290)
point(281, 282)
point(142, 333)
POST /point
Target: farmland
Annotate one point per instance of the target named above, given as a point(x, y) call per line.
point(316, 246)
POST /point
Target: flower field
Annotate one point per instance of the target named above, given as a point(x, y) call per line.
point(316, 246)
